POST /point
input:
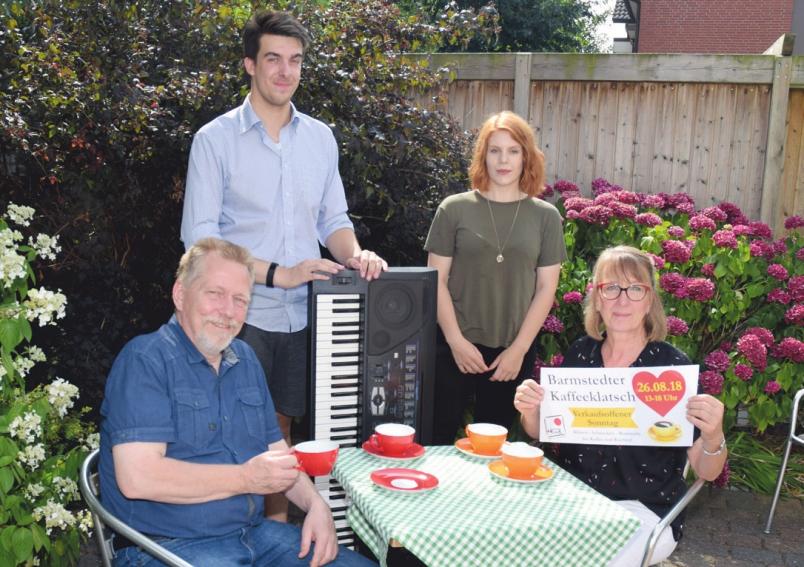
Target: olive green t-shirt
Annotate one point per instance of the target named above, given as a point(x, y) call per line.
point(491, 298)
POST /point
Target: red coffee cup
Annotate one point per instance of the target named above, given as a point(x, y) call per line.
point(392, 438)
point(316, 458)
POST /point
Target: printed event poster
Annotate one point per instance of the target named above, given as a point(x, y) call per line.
point(618, 406)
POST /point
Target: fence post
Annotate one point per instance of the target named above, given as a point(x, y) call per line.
point(770, 206)
point(522, 84)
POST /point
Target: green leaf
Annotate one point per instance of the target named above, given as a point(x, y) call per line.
point(5, 537)
point(40, 538)
point(22, 544)
point(6, 480)
point(10, 333)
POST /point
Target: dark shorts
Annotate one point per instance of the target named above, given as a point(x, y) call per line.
point(284, 359)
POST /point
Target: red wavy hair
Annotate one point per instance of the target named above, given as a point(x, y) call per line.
point(533, 174)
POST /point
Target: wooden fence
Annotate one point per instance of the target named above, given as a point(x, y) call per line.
point(719, 127)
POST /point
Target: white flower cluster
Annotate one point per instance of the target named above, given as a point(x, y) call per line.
point(91, 442)
point(26, 427)
point(46, 305)
point(23, 365)
point(67, 488)
point(20, 214)
point(35, 353)
point(85, 523)
point(32, 456)
point(55, 516)
point(61, 395)
point(32, 491)
point(46, 246)
point(12, 265)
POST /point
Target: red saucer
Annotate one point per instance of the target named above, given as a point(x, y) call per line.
point(404, 480)
point(414, 452)
point(465, 447)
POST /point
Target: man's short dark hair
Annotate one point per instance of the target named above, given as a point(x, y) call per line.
point(273, 23)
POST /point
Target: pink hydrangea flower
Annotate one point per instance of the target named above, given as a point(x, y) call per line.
point(752, 348)
point(735, 215)
point(724, 238)
point(795, 315)
point(708, 270)
point(658, 261)
point(600, 185)
point(760, 229)
point(717, 360)
point(743, 372)
point(676, 326)
point(712, 382)
point(687, 208)
point(761, 249)
point(722, 480)
point(547, 192)
point(553, 324)
point(674, 283)
point(597, 214)
point(772, 387)
point(715, 213)
point(702, 222)
point(650, 219)
point(778, 296)
point(577, 203)
point(557, 360)
point(741, 230)
point(676, 232)
point(726, 345)
point(700, 289)
point(800, 254)
point(675, 252)
point(789, 348)
point(563, 186)
point(627, 197)
point(573, 297)
point(764, 335)
point(573, 214)
point(623, 210)
point(795, 286)
point(793, 222)
point(778, 271)
point(654, 202)
point(780, 247)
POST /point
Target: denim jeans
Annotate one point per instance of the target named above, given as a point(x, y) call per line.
point(270, 543)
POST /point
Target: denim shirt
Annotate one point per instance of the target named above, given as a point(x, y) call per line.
point(278, 200)
point(162, 390)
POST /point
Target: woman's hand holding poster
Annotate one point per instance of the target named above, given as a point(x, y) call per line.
point(618, 406)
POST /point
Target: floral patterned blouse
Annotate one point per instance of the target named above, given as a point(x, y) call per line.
point(652, 475)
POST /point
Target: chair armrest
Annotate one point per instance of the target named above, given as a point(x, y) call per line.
point(142, 541)
point(668, 519)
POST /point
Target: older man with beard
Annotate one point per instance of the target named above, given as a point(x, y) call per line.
point(190, 442)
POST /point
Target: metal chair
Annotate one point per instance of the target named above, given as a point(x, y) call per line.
point(692, 491)
point(791, 438)
point(106, 523)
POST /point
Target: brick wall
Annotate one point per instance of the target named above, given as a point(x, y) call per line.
point(712, 26)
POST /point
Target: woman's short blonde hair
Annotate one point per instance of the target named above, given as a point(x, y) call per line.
point(533, 174)
point(190, 264)
point(628, 263)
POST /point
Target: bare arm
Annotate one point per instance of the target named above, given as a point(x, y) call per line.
point(466, 355)
point(509, 363)
point(706, 413)
point(345, 248)
point(143, 472)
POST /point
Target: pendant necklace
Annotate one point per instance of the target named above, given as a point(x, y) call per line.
point(500, 248)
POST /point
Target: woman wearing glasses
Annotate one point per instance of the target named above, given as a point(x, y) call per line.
point(626, 326)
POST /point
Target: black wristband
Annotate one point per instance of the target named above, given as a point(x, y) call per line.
point(269, 277)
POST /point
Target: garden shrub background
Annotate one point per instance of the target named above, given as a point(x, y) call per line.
point(98, 105)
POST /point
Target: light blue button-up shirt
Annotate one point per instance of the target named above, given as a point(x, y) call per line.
point(278, 200)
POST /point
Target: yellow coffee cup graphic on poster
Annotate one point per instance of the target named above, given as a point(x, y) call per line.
point(664, 431)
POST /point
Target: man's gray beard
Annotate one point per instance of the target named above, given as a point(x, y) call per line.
point(208, 347)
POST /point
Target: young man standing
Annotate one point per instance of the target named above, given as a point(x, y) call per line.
point(265, 176)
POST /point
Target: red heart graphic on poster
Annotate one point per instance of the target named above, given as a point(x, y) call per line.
point(659, 394)
point(557, 421)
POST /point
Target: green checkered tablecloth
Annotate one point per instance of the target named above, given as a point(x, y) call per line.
point(474, 518)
